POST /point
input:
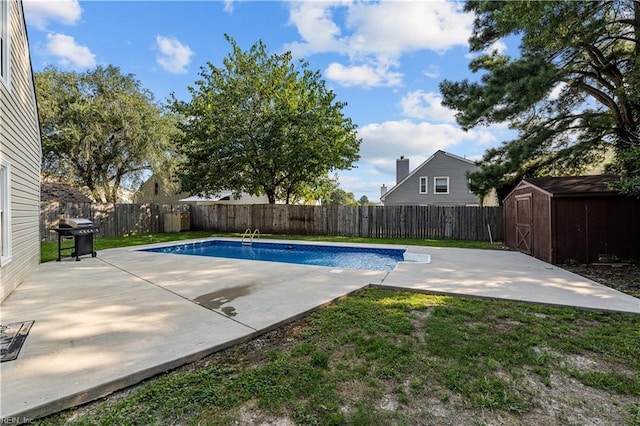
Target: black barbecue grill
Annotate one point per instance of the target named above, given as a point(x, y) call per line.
point(82, 232)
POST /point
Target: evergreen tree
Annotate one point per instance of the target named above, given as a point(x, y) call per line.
point(571, 93)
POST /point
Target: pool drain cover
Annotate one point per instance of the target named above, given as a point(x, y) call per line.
point(12, 336)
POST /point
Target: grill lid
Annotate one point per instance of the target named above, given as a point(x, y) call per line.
point(75, 222)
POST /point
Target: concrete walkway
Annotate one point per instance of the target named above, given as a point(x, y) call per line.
point(109, 322)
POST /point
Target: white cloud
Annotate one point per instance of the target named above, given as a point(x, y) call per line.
point(374, 35)
point(381, 28)
point(557, 90)
point(426, 105)
point(397, 27)
point(39, 12)
point(498, 47)
point(362, 75)
point(315, 25)
point(69, 53)
point(355, 184)
point(174, 57)
point(383, 143)
point(227, 6)
point(432, 71)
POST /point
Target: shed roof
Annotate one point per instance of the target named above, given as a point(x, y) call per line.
point(57, 191)
point(571, 186)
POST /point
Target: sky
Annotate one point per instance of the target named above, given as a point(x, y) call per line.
point(385, 59)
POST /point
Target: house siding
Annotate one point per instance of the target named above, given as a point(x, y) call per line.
point(441, 164)
point(146, 193)
point(20, 147)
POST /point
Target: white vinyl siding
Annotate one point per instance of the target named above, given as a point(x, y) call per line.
point(4, 42)
point(424, 185)
point(441, 185)
point(5, 212)
point(21, 157)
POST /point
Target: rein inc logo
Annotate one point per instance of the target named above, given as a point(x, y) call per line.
point(15, 420)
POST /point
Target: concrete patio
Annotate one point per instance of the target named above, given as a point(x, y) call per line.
point(108, 322)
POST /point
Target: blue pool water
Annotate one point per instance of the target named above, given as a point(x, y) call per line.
point(337, 256)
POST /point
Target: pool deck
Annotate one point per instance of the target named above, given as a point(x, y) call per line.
point(109, 322)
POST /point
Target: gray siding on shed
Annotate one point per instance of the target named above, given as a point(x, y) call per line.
point(441, 164)
point(20, 148)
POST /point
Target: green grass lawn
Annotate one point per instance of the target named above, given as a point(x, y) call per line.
point(49, 249)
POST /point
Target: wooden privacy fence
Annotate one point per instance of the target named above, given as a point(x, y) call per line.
point(114, 220)
point(466, 223)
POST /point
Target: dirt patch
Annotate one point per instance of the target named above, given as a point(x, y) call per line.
point(624, 277)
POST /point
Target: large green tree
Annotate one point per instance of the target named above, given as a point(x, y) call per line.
point(101, 130)
point(572, 92)
point(262, 125)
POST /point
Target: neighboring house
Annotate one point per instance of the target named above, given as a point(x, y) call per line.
point(155, 190)
point(158, 191)
point(441, 181)
point(226, 197)
point(20, 152)
point(572, 219)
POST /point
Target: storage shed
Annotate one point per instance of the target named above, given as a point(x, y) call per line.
point(572, 219)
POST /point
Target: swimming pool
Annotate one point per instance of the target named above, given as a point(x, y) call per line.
point(376, 259)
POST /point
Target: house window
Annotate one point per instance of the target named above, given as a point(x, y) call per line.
point(156, 189)
point(423, 185)
point(4, 41)
point(5, 212)
point(441, 185)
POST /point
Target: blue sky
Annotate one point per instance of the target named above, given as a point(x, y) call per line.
point(385, 59)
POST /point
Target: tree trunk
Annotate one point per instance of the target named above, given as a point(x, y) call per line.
point(271, 195)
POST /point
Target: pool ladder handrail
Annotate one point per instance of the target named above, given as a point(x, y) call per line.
point(251, 236)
